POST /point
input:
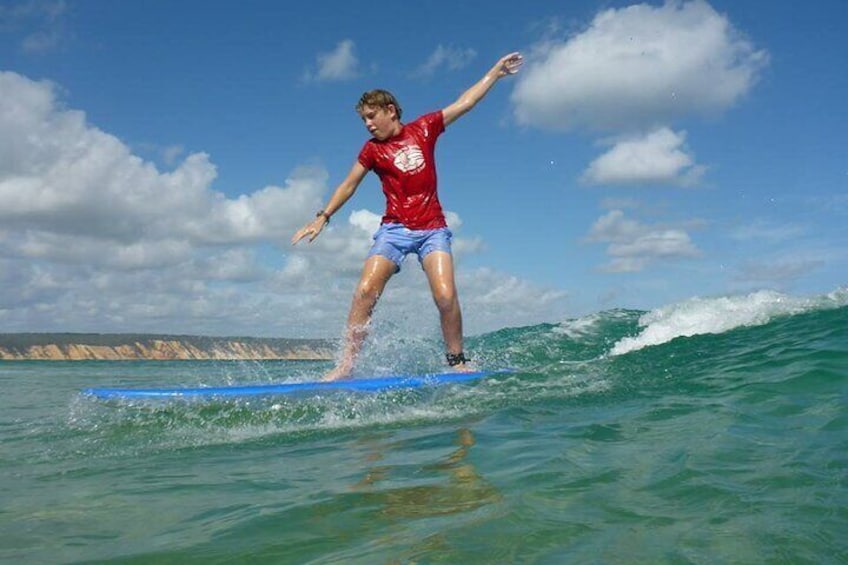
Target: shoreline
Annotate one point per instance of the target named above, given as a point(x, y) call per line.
point(158, 347)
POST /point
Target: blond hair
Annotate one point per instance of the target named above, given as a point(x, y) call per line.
point(378, 98)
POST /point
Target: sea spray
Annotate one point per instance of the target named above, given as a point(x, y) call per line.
point(717, 315)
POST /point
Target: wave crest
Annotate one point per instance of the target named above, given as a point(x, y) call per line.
point(718, 315)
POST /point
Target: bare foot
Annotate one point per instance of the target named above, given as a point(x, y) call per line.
point(467, 367)
point(338, 373)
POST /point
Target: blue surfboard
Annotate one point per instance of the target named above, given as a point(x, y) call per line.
point(376, 384)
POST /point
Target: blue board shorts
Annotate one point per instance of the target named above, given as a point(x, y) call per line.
point(395, 242)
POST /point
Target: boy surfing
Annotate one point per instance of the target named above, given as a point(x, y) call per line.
point(402, 156)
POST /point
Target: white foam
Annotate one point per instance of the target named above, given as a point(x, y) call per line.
point(718, 315)
point(587, 325)
point(579, 327)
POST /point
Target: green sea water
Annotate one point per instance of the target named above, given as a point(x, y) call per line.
point(709, 431)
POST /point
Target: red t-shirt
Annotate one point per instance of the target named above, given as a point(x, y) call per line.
point(406, 166)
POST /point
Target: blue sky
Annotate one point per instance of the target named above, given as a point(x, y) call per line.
point(156, 157)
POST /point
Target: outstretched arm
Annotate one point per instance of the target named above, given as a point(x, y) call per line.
point(343, 192)
point(507, 65)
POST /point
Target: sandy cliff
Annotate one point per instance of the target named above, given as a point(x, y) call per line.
point(82, 347)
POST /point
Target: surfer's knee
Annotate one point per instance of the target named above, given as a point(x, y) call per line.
point(445, 298)
point(367, 291)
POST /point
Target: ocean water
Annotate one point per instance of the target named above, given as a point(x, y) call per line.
point(709, 431)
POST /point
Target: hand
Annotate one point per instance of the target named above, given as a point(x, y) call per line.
point(312, 229)
point(508, 64)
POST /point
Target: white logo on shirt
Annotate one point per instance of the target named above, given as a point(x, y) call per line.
point(409, 159)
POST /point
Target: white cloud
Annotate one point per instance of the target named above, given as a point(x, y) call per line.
point(92, 232)
point(336, 65)
point(633, 245)
point(41, 41)
point(487, 295)
point(94, 238)
point(631, 73)
point(365, 220)
point(39, 24)
point(171, 154)
point(453, 58)
point(779, 271)
point(658, 157)
point(490, 299)
point(237, 264)
point(762, 230)
point(638, 67)
point(615, 227)
point(60, 177)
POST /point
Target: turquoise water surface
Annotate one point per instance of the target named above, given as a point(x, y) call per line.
point(709, 431)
